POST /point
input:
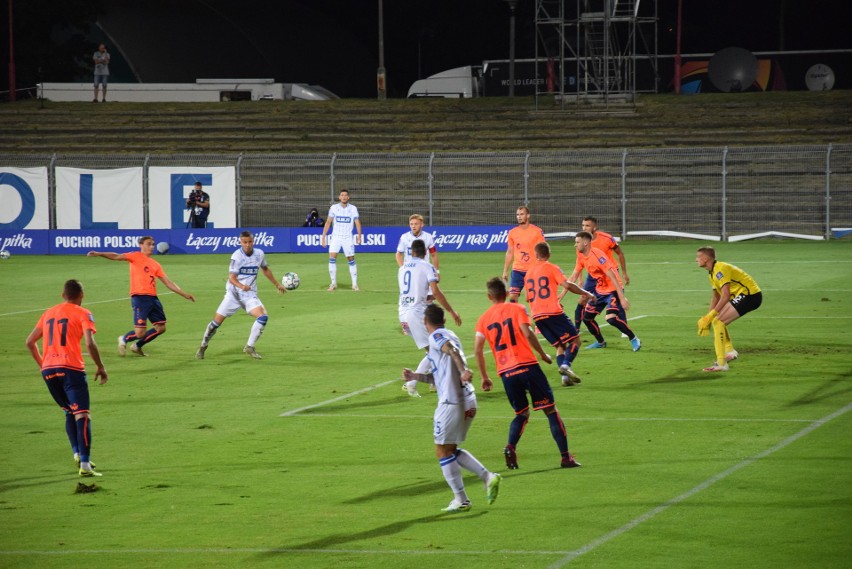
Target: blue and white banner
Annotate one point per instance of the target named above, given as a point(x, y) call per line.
point(270, 239)
point(25, 199)
point(168, 188)
point(99, 199)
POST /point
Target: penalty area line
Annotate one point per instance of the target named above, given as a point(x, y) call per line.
point(701, 487)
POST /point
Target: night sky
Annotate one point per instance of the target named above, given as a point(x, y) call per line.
point(334, 43)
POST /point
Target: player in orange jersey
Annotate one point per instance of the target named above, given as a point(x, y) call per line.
point(609, 293)
point(543, 281)
point(506, 328)
point(519, 254)
point(144, 272)
point(61, 361)
point(606, 243)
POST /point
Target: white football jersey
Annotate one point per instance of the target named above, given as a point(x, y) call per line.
point(343, 219)
point(414, 290)
point(408, 238)
point(246, 267)
point(447, 376)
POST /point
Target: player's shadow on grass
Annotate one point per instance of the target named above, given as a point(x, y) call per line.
point(686, 374)
point(828, 389)
point(335, 540)
point(436, 486)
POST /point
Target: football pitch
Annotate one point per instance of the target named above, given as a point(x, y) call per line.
point(314, 457)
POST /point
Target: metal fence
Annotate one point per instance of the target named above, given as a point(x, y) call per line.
point(721, 192)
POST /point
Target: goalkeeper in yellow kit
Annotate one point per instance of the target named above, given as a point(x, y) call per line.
point(735, 294)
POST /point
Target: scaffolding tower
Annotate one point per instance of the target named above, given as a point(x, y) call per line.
point(596, 51)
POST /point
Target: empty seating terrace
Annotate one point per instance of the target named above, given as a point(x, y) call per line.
point(425, 125)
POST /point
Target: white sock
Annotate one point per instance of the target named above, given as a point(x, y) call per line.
point(332, 270)
point(469, 462)
point(257, 330)
point(209, 332)
point(353, 272)
point(453, 476)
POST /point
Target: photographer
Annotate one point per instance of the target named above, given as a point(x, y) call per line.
point(198, 204)
point(313, 219)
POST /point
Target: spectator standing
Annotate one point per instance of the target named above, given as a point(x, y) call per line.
point(101, 61)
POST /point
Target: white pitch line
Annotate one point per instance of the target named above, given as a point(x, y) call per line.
point(480, 416)
point(570, 556)
point(336, 399)
point(85, 304)
point(370, 388)
point(701, 487)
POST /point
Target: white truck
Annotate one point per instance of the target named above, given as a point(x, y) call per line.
point(459, 83)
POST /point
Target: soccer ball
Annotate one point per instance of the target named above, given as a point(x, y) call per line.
point(290, 281)
point(162, 247)
point(4, 254)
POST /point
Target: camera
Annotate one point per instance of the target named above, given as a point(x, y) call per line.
point(194, 197)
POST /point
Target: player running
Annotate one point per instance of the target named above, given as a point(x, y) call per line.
point(343, 216)
point(609, 294)
point(446, 367)
point(606, 243)
point(543, 281)
point(506, 328)
point(519, 253)
point(241, 292)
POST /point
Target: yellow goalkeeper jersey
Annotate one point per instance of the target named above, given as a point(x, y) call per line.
point(740, 281)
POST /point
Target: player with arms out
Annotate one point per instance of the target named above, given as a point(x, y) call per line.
point(342, 217)
point(403, 249)
point(61, 329)
point(543, 281)
point(144, 272)
point(606, 243)
point(241, 292)
point(445, 366)
point(506, 328)
point(609, 294)
point(418, 285)
point(735, 294)
point(519, 254)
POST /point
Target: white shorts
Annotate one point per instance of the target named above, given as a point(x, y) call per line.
point(234, 300)
point(347, 244)
point(413, 325)
point(450, 424)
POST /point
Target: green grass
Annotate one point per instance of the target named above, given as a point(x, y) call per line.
point(681, 468)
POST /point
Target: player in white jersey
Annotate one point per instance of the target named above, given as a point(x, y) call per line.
point(403, 250)
point(418, 286)
point(342, 217)
point(241, 292)
point(446, 367)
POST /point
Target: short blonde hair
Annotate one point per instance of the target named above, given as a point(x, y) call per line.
point(416, 216)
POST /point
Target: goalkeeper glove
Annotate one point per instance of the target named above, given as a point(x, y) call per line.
point(705, 322)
